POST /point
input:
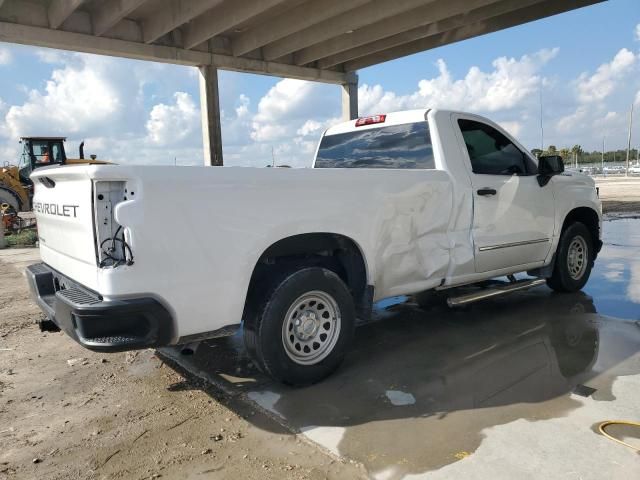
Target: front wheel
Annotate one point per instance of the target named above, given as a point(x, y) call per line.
point(574, 259)
point(299, 329)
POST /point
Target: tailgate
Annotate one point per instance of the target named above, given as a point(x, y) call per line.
point(63, 206)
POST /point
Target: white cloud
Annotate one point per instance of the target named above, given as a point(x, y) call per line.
point(289, 119)
point(242, 110)
point(513, 127)
point(569, 122)
point(602, 83)
point(102, 100)
point(310, 127)
point(79, 99)
point(175, 123)
point(633, 290)
point(637, 32)
point(50, 56)
point(601, 103)
point(5, 56)
point(283, 100)
point(505, 87)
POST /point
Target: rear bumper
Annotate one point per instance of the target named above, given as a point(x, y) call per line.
point(99, 325)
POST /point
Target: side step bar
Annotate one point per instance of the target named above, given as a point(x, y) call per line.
point(494, 292)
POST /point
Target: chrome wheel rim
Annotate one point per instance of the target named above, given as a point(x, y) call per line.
point(577, 257)
point(311, 327)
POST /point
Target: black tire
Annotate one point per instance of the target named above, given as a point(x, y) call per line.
point(575, 342)
point(269, 314)
point(563, 278)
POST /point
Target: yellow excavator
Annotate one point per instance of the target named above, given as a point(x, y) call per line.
point(16, 188)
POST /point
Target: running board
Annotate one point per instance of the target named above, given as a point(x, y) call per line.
point(494, 292)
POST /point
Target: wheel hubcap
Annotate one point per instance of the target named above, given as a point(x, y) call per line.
point(311, 327)
point(577, 257)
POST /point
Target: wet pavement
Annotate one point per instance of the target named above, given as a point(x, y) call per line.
point(510, 387)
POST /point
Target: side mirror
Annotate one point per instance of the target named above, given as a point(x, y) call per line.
point(548, 166)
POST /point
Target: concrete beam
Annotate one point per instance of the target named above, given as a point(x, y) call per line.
point(350, 98)
point(60, 10)
point(423, 15)
point(276, 69)
point(210, 108)
point(111, 12)
point(1, 3)
point(170, 14)
point(534, 12)
point(296, 19)
point(349, 21)
point(80, 42)
point(454, 14)
point(223, 18)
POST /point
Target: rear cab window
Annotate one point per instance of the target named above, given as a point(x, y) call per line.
point(405, 146)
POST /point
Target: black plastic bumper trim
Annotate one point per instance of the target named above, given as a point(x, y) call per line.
point(99, 325)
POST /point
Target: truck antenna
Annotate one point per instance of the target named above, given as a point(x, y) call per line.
point(541, 125)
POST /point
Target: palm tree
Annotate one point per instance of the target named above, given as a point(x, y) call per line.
point(577, 151)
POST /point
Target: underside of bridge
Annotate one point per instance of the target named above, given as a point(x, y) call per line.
point(320, 40)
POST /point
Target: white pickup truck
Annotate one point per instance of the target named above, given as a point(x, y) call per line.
point(396, 204)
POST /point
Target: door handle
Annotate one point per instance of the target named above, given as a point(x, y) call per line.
point(487, 191)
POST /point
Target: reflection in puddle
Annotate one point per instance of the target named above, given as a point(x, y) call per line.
point(615, 280)
point(400, 399)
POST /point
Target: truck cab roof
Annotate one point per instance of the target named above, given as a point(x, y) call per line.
point(393, 118)
point(397, 118)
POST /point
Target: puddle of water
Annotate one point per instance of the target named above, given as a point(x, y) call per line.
point(400, 399)
point(266, 400)
point(615, 280)
point(421, 386)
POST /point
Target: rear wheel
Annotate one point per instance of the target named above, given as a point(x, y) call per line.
point(574, 259)
point(300, 328)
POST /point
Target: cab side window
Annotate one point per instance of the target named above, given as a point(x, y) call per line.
point(491, 152)
point(57, 152)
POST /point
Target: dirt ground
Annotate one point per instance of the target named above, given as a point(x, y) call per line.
point(67, 413)
point(619, 194)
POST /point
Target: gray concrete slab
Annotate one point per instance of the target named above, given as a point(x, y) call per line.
point(509, 388)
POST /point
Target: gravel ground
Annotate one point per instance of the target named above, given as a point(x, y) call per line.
point(67, 413)
point(619, 194)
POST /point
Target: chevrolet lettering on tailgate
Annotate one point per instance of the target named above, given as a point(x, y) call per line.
point(55, 209)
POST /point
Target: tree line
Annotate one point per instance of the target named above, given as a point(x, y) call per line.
point(569, 155)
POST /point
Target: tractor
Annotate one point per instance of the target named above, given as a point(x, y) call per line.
point(16, 188)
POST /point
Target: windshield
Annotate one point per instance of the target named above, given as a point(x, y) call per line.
point(25, 158)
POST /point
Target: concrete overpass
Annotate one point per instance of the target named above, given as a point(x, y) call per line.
point(320, 40)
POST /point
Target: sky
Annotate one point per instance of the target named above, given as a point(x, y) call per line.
point(584, 65)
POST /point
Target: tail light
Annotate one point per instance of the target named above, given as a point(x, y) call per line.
point(370, 120)
point(112, 240)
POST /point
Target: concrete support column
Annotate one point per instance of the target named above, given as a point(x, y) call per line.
point(210, 108)
point(350, 98)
